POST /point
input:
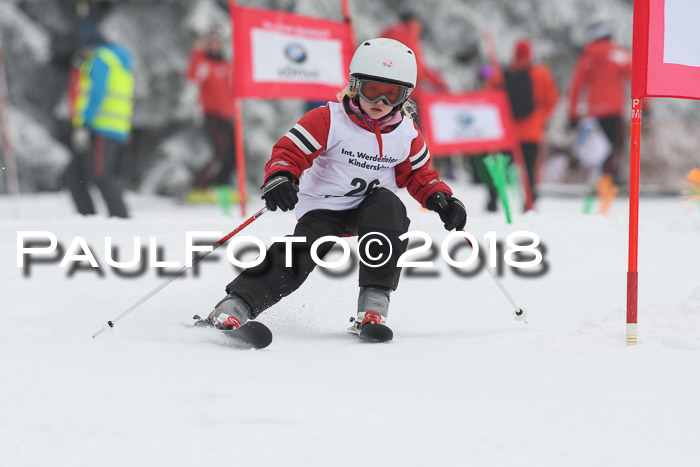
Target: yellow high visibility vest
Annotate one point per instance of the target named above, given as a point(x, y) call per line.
point(117, 107)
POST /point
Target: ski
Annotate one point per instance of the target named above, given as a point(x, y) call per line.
point(253, 333)
point(372, 332)
point(376, 333)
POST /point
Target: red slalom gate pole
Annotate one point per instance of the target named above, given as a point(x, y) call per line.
point(200, 256)
point(8, 149)
point(240, 153)
point(493, 55)
point(632, 274)
point(348, 19)
point(238, 123)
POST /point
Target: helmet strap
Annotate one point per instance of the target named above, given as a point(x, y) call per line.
point(354, 83)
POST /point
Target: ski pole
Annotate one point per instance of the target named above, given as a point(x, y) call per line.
point(201, 255)
point(518, 313)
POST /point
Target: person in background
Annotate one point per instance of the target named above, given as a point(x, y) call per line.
point(487, 79)
point(102, 109)
point(602, 73)
point(534, 95)
point(211, 72)
point(408, 31)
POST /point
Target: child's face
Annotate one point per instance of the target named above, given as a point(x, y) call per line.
point(376, 110)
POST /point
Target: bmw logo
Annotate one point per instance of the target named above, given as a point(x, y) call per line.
point(295, 53)
point(465, 119)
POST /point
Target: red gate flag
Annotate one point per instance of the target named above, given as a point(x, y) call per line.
point(478, 122)
point(665, 63)
point(281, 55)
point(666, 56)
point(470, 123)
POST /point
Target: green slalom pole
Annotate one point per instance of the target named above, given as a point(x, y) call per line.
point(225, 199)
point(497, 166)
point(588, 203)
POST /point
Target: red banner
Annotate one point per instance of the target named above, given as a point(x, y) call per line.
point(281, 55)
point(471, 123)
point(666, 58)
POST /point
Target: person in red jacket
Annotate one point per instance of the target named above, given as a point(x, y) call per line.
point(602, 73)
point(209, 69)
point(339, 168)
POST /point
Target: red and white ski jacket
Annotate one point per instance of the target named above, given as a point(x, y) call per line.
point(339, 157)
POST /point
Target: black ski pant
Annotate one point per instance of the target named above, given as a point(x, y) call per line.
point(613, 127)
point(382, 211)
point(99, 166)
point(221, 135)
point(530, 151)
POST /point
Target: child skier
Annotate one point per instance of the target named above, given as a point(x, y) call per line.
point(346, 160)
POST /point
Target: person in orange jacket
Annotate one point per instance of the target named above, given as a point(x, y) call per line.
point(211, 72)
point(533, 95)
point(602, 73)
point(531, 128)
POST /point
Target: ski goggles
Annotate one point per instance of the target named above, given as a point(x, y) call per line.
point(375, 91)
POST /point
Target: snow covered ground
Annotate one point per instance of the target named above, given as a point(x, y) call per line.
point(461, 384)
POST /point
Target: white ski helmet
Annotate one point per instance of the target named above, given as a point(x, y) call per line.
point(385, 60)
point(598, 31)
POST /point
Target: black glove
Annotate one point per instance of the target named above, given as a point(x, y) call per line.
point(280, 190)
point(572, 123)
point(451, 210)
